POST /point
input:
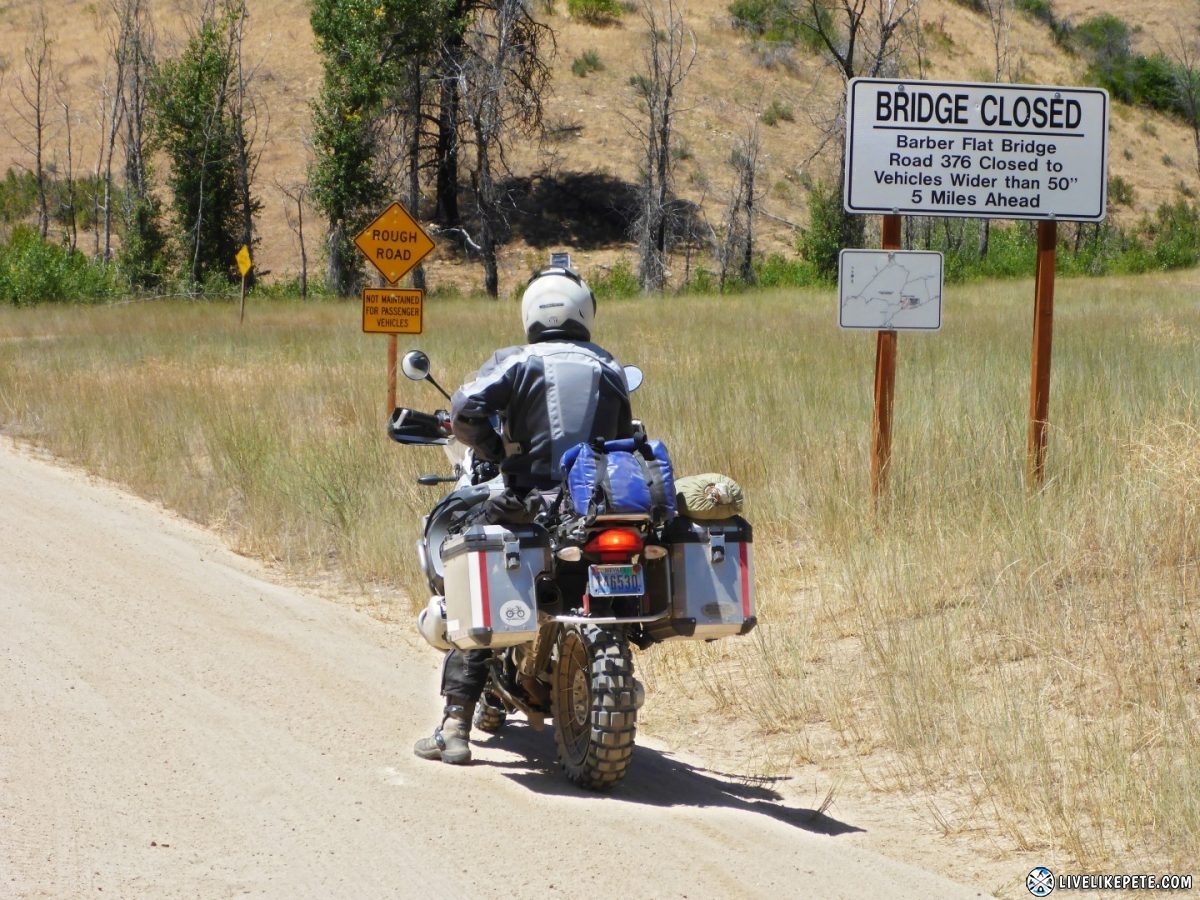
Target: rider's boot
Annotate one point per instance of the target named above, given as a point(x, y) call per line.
point(450, 740)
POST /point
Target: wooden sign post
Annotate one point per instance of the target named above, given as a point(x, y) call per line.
point(1043, 335)
point(885, 382)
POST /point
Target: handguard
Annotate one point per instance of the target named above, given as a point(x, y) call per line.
point(408, 426)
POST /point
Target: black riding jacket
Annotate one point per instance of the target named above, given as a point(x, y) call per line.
point(550, 396)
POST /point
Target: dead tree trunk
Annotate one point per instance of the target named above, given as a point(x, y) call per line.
point(670, 54)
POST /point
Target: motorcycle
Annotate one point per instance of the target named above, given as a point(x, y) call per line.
point(561, 600)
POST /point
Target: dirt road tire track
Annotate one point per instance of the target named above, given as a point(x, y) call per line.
point(174, 724)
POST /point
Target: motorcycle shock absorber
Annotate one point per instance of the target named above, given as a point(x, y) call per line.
point(535, 658)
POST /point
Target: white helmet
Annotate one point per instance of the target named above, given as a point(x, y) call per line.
point(558, 304)
point(431, 622)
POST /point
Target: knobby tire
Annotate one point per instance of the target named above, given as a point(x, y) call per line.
point(594, 703)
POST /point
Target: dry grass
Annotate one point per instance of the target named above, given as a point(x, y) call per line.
point(1025, 661)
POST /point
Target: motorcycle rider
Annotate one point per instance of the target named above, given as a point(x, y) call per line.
point(551, 393)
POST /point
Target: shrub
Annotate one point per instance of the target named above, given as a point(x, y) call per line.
point(830, 229)
point(773, 55)
point(761, 18)
point(587, 63)
point(1104, 37)
point(595, 12)
point(290, 287)
point(781, 21)
point(619, 281)
point(1151, 81)
point(1120, 191)
point(776, 271)
point(18, 196)
point(1012, 252)
point(1176, 235)
point(777, 112)
point(36, 271)
point(1043, 11)
point(703, 281)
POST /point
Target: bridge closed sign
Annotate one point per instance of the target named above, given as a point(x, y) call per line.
point(982, 150)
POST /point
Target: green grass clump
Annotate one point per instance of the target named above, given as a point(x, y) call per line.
point(587, 63)
point(777, 112)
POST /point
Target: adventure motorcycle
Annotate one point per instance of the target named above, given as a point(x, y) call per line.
point(560, 599)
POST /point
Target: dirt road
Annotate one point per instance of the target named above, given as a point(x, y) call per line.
point(174, 724)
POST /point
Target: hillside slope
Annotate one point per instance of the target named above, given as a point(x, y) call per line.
point(722, 98)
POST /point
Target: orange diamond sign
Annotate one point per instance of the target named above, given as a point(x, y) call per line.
point(394, 243)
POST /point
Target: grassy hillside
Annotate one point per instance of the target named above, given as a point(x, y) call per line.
point(732, 83)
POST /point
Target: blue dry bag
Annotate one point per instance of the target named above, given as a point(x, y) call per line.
point(630, 476)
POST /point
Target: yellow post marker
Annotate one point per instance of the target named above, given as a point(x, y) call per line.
point(243, 264)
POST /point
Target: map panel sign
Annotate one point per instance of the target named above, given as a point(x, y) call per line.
point(981, 150)
point(890, 290)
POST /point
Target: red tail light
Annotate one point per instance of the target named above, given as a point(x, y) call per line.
point(615, 542)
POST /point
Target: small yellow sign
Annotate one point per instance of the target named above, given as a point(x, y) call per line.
point(392, 310)
point(394, 243)
point(243, 260)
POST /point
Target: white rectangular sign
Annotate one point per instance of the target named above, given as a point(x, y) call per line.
point(890, 290)
point(984, 150)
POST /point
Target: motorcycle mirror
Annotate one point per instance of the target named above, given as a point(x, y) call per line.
point(415, 365)
point(633, 378)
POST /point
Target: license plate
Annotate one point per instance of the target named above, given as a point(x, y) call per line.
point(616, 581)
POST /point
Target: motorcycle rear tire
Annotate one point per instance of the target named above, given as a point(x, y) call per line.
point(594, 703)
